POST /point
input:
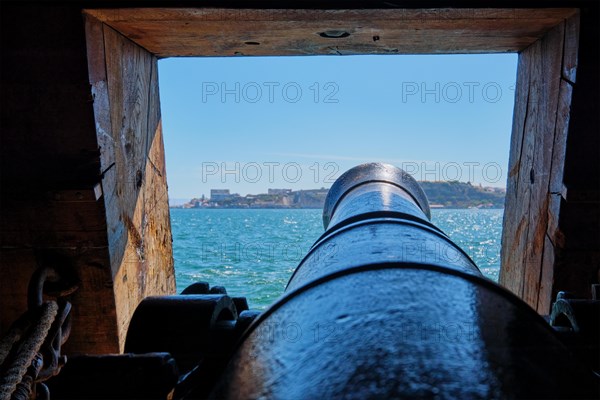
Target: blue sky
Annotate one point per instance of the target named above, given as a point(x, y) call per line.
point(253, 123)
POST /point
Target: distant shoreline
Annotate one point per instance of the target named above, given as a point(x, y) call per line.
point(441, 195)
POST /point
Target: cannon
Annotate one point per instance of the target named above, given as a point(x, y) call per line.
point(383, 305)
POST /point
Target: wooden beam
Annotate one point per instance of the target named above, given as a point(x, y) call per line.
point(516, 205)
point(124, 79)
point(226, 32)
point(532, 240)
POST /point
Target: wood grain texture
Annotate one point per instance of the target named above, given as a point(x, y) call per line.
point(536, 220)
point(546, 284)
point(127, 109)
point(94, 318)
point(226, 32)
point(559, 147)
point(517, 186)
point(547, 70)
point(526, 213)
point(569, 66)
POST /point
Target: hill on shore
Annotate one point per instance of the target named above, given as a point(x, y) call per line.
point(455, 194)
point(450, 194)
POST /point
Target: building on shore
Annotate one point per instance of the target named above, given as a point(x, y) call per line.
point(219, 194)
point(279, 191)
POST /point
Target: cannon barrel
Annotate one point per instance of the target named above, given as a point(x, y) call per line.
point(385, 305)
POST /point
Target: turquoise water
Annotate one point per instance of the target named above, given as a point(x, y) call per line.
point(253, 252)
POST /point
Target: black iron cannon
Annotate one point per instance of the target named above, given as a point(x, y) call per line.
point(384, 305)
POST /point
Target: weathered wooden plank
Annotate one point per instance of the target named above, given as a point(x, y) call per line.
point(159, 247)
point(556, 258)
point(95, 49)
point(554, 232)
point(222, 32)
point(546, 284)
point(128, 76)
point(158, 227)
point(569, 67)
point(560, 137)
point(15, 238)
point(54, 216)
point(136, 202)
point(117, 232)
point(128, 68)
point(520, 160)
point(154, 120)
point(303, 38)
point(570, 256)
point(535, 170)
point(556, 170)
point(90, 333)
point(578, 261)
point(97, 77)
point(45, 222)
point(548, 70)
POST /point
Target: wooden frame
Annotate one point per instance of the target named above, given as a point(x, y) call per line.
point(201, 32)
point(531, 235)
point(123, 47)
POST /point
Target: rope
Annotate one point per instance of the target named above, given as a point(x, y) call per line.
point(27, 350)
point(14, 334)
point(24, 388)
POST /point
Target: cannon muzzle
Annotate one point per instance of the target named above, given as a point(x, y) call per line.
point(385, 305)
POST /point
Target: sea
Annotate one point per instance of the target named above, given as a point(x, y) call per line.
point(253, 252)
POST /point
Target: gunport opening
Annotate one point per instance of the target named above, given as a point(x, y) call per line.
point(252, 145)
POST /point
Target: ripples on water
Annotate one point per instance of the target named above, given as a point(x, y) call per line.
point(254, 252)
